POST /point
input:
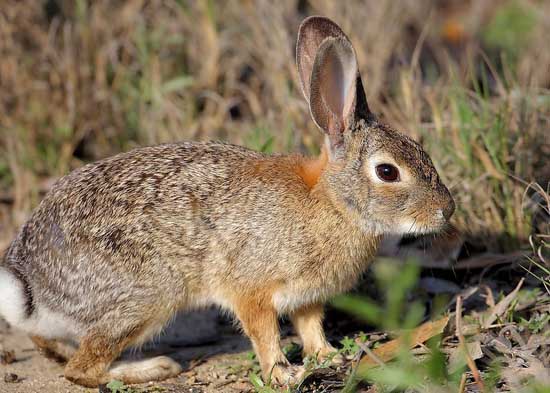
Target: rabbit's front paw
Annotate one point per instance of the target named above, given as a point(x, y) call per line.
point(287, 374)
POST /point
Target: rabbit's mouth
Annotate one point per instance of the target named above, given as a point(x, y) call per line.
point(417, 226)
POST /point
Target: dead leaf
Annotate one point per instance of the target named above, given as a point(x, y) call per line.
point(470, 329)
point(501, 307)
point(457, 358)
point(389, 350)
point(501, 344)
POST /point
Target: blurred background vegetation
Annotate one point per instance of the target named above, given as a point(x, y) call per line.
point(81, 80)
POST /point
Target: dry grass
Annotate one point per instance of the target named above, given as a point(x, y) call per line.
point(82, 80)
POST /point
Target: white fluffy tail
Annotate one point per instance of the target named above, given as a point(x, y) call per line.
point(12, 299)
point(42, 321)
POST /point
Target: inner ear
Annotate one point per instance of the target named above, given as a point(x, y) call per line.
point(333, 87)
point(338, 77)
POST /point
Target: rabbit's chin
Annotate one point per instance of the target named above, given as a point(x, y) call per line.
point(407, 227)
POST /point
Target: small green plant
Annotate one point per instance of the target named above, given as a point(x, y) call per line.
point(117, 386)
point(263, 387)
point(247, 363)
point(536, 323)
point(350, 345)
point(395, 282)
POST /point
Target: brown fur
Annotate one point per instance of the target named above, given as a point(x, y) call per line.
point(88, 367)
point(53, 349)
point(117, 247)
point(308, 322)
point(310, 169)
point(259, 320)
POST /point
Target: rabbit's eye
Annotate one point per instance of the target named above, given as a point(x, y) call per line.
point(387, 172)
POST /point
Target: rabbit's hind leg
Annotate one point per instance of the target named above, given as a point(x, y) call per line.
point(93, 365)
point(154, 369)
point(53, 349)
point(88, 367)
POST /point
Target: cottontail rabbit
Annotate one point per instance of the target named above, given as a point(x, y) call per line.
point(117, 247)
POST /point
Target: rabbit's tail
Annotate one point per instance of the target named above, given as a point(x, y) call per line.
point(16, 300)
point(19, 308)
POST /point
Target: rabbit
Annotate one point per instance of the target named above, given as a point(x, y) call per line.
point(118, 247)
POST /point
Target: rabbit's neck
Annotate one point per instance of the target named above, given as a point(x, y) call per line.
point(338, 228)
point(333, 264)
point(345, 248)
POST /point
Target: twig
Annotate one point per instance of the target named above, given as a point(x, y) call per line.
point(370, 354)
point(462, 341)
point(462, 383)
point(490, 300)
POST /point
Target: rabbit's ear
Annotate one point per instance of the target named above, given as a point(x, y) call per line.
point(329, 76)
point(312, 33)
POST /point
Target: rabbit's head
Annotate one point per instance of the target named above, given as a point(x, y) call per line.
point(385, 180)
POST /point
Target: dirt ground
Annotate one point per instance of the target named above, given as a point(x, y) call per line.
point(214, 355)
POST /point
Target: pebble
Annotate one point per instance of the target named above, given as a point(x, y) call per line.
point(11, 378)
